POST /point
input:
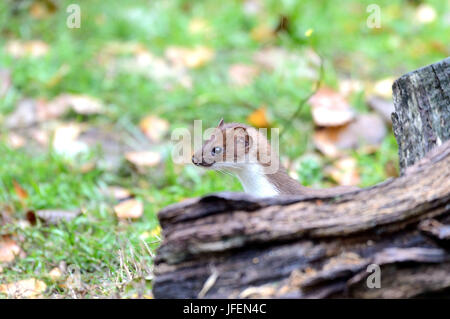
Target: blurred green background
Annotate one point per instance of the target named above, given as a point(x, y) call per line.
point(154, 66)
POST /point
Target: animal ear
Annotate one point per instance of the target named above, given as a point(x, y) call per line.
point(220, 123)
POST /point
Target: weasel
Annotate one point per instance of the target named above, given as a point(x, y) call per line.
point(245, 152)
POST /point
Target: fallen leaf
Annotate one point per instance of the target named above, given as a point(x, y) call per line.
point(24, 114)
point(154, 127)
point(34, 48)
point(131, 208)
point(350, 86)
point(382, 106)
point(55, 274)
point(65, 140)
point(425, 13)
point(242, 74)
point(259, 118)
point(9, 250)
point(367, 129)
point(83, 104)
point(42, 9)
point(27, 288)
point(303, 64)
point(190, 57)
point(329, 108)
point(144, 158)
point(52, 216)
point(5, 82)
point(117, 192)
point(344, 172)
point(15, 141)
point(199, 26)
point(309, 32)
point(21, 193)
point(383, 88)
point(262, 33)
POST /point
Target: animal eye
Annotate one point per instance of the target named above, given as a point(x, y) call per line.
point(216, 150)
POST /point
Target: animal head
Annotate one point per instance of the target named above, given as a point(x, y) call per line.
point(233, 146)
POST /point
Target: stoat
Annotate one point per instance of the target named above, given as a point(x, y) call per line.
point(245, 152)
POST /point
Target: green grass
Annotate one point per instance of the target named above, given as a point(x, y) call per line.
point(96, 242)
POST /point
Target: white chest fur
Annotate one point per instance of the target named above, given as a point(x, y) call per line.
point(255, 182)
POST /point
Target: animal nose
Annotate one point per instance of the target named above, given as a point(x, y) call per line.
point(194, 161)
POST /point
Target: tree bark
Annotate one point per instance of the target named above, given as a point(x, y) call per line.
point(422, 111)
point(231, 245)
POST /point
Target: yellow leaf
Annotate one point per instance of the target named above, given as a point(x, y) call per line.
point(154, 127)
point(190, 58)
point(55, 274)
point(131, 208)
point(262, 33)
point(198, 26)
point(144, 158)
point(34, 48)
point(259, 118)
point(27, 288)
point(156, 231)
point(308, 32)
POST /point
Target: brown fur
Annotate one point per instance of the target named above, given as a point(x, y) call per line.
point(244, 138)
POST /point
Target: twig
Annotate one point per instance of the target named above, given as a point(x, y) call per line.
point(303, 101)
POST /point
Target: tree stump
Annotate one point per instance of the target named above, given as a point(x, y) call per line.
point(231, 245)
point(422, 111)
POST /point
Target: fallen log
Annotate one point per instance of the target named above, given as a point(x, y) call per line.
point(389, 240)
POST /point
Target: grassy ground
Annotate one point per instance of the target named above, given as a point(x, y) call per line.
point(115, 257)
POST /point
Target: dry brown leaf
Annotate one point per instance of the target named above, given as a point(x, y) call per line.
point(154, 127)
point(27, 288)
point(24, 115)
point(117, 192)
point(9, 250)
point(15, 141)
point(262, 33)
point(34, 48)
point(259, 118)
point(242, 74)
point(329, 108)
point(144, 158)
point(131, 208)
point(190, 57)
point(55, 274)
point(367, 129)
point(345, 172)
point(81, 104)
point(21, 193)
point(52, 216)
point(42, 9)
